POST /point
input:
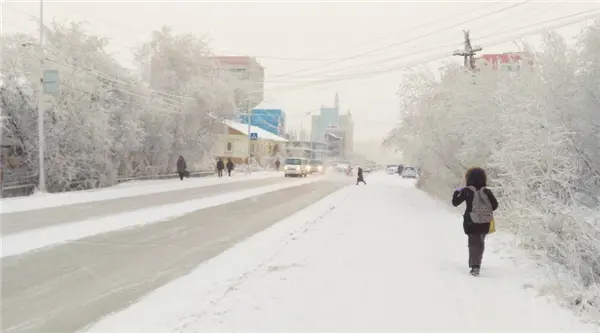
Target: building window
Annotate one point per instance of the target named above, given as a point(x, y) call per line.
point(229, 146)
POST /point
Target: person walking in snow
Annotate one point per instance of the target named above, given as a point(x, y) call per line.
point(181, 167)
point(360, 177)
point(277, 164)
point(480, 205)
point(229, 166)
point(220, 167)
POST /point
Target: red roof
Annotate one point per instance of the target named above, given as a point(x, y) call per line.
point(503, 58)
point(234, 60)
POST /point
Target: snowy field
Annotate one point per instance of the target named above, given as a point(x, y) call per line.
point(38, 238)
point(375, 258)
point(128, 189)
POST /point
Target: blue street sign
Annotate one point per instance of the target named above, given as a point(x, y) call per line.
point(253, 136)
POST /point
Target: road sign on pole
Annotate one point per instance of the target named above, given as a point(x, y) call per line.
point(51, 81)
point(253, 136)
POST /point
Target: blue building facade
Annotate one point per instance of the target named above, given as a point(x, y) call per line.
point(270, 120)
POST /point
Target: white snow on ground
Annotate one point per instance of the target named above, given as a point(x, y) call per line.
point(39, 238)
point(377, 258)
point(128, 189)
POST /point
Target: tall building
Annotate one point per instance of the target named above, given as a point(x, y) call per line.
point(248, 76)
point(328, 116)
point(347, 125)
point(336, 130)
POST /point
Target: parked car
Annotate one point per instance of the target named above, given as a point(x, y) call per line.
point(296, 166)
point(367, 169)
point(391, 169)
point(409, 172)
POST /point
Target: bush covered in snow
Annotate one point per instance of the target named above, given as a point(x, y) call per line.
point(106, 121)
point(537, 132)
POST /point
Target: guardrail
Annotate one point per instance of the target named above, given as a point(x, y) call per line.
point(17, 189)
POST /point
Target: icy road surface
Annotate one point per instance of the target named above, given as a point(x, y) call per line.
point(66, 286)
point(377, 258)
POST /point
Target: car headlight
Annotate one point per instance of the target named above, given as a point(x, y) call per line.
point(308, 167)
point(320, 168)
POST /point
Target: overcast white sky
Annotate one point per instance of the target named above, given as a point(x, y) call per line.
point(329, 41)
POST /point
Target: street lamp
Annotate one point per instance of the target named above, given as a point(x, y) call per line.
point(301, 125)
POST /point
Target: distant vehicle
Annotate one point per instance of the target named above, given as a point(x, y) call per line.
point(316, 166)
point(342, 167)
point(409, 172)
point(296, 167)
point(391, 169)
point(367, 169)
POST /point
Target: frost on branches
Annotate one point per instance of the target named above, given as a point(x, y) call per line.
point(537, 132)
point(106, 122)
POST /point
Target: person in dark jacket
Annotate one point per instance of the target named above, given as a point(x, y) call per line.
point(360, 177)
point(277, 164)
point(400, 169)
point(220, 167)
point(229, 166)
point(181, 167)
point(476, 232)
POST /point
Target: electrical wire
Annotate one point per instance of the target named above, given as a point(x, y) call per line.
point(403, 42)
point(364, 74)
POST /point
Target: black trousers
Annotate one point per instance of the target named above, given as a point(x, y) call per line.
point(229, 172)
point(181, 174)
point(220, 172)
point(476, 249)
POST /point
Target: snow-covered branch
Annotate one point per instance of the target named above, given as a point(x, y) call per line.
point(538, 134)
point(106, 121)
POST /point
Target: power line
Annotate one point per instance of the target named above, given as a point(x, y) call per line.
point(354, 75)
point(408, 40)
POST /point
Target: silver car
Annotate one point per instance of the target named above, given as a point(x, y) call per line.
point(409, 172)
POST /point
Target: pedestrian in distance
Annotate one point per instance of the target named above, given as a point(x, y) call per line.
point(360, 177)
point(181, 167)
point(277, 164)
point(230, 166)
point(220, 167)
point(479, 214)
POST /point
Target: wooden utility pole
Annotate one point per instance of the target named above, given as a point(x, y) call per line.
point(469, 52)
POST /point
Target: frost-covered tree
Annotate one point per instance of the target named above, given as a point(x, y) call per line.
point(198, 96)
point(537, 132)
point(105, 122)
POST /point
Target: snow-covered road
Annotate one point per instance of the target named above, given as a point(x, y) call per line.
point(82, 271)
point(377, 258)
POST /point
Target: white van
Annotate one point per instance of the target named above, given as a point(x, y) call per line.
point(296, 166)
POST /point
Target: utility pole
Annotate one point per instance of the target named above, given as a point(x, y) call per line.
point(469, 52)
point(249, 115)
point(41, 141)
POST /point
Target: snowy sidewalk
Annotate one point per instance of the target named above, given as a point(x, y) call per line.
point(375, 258)
point(124, 190)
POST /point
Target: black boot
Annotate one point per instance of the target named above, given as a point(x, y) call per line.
point(475, 271)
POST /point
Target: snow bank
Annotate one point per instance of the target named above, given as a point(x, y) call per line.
point(129, 189)
point(39, 238)
point(375, 258)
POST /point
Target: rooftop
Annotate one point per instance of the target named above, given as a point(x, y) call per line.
point(236, 60)
point(262, 134)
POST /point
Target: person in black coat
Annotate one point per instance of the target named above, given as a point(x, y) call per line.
point(181, 167)
point(475, 232)
point(360, 177)
point(230, 166)
point(220, 167)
